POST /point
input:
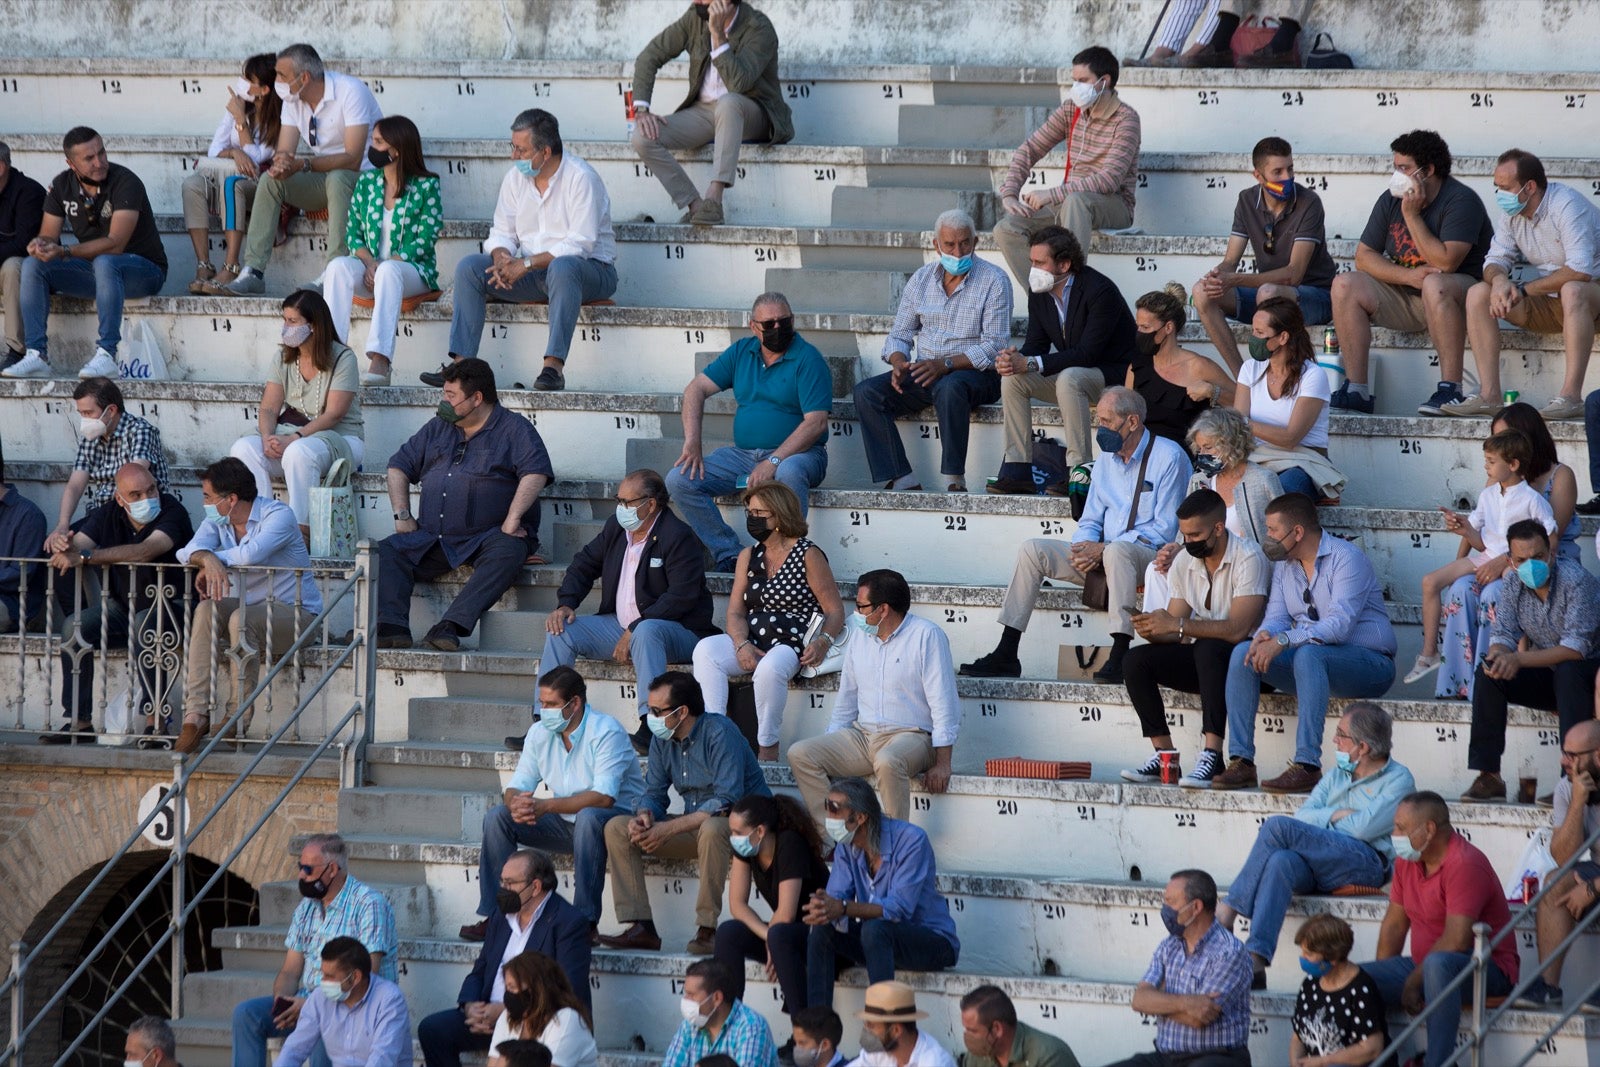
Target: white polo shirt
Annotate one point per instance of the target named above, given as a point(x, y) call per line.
point(346, 101)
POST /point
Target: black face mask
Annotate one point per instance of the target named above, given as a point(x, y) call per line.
point(1145, 343)
point(379, 159)
point(1199, 549)
point(517, 1004)
point(779, 338)
point(509, 901)
point(313, 889)
point(758, 527)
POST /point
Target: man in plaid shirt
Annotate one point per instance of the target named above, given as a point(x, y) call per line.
point(109, 437)
point(715, 1023)
point(1096, 192)
point(1198, 984)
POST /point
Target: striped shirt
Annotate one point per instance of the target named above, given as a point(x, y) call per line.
point(358, 911)
point(974, 321)
point(131, 439)
point(1103, 156)
point(1219, 967)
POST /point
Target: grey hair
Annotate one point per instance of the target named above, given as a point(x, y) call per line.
point(1125, 401)
point(541, 126)
point(538, 866)
point(1370, 725)
point(651, 484)
point(955, 219)
point(772, 298)
point(1230, 431)
point(859, 797)
point(332, 848)
point(5, 153)
point(156, 1032)
point(1198, 885)
point(304, 58)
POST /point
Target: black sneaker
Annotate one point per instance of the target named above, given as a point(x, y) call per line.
point(1590, 506)
point(1149, 773)
point(13, 357)
point(1444, 394)
point(994, 665)
point(1344, 400)
point(550, 380)
point(1206, 767)
point(435, 378)
point(1540, 996)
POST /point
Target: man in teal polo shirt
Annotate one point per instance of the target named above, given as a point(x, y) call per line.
point(780, 430)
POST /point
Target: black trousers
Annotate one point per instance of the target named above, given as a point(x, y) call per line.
point(1566, 689)
point(1201, 667)
point(444, 1037)
point(494, 567)
point(787, 941)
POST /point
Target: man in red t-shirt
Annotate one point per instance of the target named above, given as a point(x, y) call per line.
point(1442, 886)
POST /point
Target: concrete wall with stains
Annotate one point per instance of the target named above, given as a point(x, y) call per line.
point(1529, 35)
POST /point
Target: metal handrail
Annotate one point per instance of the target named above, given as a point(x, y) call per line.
point(1483, 950)
point(352, 771)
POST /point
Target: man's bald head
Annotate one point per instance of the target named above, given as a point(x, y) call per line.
point(1585, 735)
point(135, 481)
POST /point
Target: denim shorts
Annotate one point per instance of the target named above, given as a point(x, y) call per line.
point(1315, 304)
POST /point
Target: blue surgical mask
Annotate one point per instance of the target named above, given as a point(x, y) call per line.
point(1510, 203)
point(837, 830)
point(1534, 573)
point(658, 725)
point(1169, 919)
point(628, 518)
point(859, 621)
point(1346, 762)
point(213, 515)
point(552, 719)
point(1315, 970)
point(1108, 439)
point(1207, 464)
point(1403, 848)
point(953, 265)
point(742, 846)
point(143, 511)
point(524, 167)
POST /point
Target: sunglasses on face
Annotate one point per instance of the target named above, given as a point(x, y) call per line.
point(768, 325)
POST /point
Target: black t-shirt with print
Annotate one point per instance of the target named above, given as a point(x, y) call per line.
point(89, 217)
point(1327, 1022)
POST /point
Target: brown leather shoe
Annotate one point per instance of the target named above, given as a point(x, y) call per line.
point(475, 932)
point(1297, 778)
point(640, 935)
point(704, 943)
point(191, 738)
point(1206, 57)
point(1487, 788)
point(1241, 774)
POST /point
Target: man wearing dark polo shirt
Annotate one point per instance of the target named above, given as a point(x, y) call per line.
point(1280, 223)
point(780, 431)
point(117, 255)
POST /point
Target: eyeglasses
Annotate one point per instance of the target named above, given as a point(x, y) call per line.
point(768, 325)
point(1576, 755)
point(461, 452)
point(1311, 608)
point(754, 514)
point(864, 608)
point(835, 807)
point(513, 885)
point(305, 869)
point(663, 712)
point(311, 134)
point(635, 502)
point(1340, 735)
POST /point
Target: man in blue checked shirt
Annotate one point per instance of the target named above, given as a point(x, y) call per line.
point(359, 1018)
point(1131, 511)
point(953, 320)
point(714, 1023)
point(1327, 634)
point(1198, 984)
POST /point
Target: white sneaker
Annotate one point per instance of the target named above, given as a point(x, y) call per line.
point(32, 365)
point(103, 365)
point(1424, 666)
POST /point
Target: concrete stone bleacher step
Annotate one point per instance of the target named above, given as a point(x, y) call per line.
point(863, 291)
point(942, 125)
point(891, 206)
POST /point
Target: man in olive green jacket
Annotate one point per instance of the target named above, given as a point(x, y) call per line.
point(994, 1038)
point(734, 96)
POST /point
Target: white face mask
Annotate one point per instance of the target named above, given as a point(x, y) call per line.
point(1400, 184)
point(691, 1014)
point(284, 92)
point(1040, 281)
point(1085, 94)
point(91, 429)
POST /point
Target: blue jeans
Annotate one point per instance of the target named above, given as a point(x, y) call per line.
point(585, 839)
point(1437, 970)
point(252, 1025)
point(1296, 480)
point(1291, 857)
point(1313, 673)
point(953, 397)
point(107, 280)
point(696, 497)
point(656, 643)
point(566, 283)
point(880, 945)
point(1316, 304)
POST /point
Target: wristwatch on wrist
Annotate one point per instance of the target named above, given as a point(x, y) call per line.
point(85, 554)
point(402, 516)
point(1036, 364)
point(775, 460)
point(527, 262)
point(949, 363)
point(1283, 639)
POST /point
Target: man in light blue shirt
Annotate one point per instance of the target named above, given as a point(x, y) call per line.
point(1339, 837)
point(897, 713)
point(1131, 511)
point(586, 759)
point(360, 1018)
point(1326, 634)
point(257, 610)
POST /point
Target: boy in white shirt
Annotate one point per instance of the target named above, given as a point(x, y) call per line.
point(1506, 500)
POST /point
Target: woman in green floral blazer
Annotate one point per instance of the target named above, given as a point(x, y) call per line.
point(395, 217)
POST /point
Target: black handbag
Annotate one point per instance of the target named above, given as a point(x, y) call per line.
point(1327, 58)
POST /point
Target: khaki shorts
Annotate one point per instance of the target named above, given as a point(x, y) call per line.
point(1543, 314)
point(1399, 308)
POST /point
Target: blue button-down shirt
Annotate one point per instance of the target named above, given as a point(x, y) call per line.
point(358, 911)
point(1568, 616)
point(375, 1032)
point(711, 769)
point(1345, 592)
point(907, 682)
point(1219, 967)
point(272, 538)
point(974, 321)
point(22, 530)
point(1371, 802)
point(906, 885)
point(601, 759)
point(1166, 480)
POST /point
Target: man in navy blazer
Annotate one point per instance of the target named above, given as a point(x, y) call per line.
point(1080, 340)
point(654, 602)
point(529, 916)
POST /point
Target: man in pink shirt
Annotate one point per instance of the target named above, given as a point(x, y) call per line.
point(1442, 886)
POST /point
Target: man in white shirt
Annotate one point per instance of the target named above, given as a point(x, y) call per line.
point(1556, 230)
point(551, 241)
point(897, 713)
point(260, 611)
point(734, 96)
point(333, 114)
point(889, 1034)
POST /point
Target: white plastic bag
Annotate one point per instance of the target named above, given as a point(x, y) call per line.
point(119, 720)
point(139, 356)
point(1536, 860)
